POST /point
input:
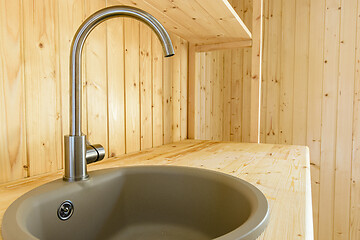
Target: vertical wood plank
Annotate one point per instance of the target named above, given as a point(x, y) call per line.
point(215, 96)
point(256, 70)
point(301, 71)
point(316, 61)
point(116, 86)
point(264, 70)
point(344, 119)
point(193, 113)
point(208, 95)
point(287, 71)
point(132, 97)
point(247, 62)
point(176, 69)
point(195, 91)
point(43, 120)
point(273, 72)
point(183, 88)
point(167, 100)
point(328, 133)
point(157, 79)
point(145, 87)
point(220, 103)
point(355, 163)
point(236, 94)
point(13, 162)
point(96, 80)
point(203, 95)
point(227, 96)
point(237, 58)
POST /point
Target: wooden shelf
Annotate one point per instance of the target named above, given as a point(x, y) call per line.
point(202, 22)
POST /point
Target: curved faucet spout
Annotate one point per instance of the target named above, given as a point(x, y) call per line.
point(78, 42)
point(75, 143)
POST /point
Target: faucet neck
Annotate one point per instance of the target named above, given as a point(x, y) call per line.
point(75, 143)
point(76, 52)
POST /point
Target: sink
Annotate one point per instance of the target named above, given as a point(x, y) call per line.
point(141, 202)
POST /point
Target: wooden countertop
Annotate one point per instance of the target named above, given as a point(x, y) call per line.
point(281, 172)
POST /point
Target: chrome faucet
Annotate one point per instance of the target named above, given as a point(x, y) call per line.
point(78, 152)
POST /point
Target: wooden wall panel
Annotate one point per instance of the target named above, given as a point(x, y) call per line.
point(315, 82)
point(145, 87)
point(310, 96)
point(116, 86)
point(355, 160)
point(175, 87)
point(121, 59)
point(317, 102)
point(13, 160)
point(224, 77)
point(42, 86)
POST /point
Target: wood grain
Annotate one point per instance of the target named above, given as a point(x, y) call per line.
point(13, 162)
point(145, 87)
point(42, 86)
point(315, 82)
point(344, 119)
point(116, 86)
point(132, 89)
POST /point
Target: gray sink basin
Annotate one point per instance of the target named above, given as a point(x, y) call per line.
point(142, 202)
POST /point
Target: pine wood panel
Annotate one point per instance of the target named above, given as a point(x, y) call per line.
point(176, 88)
point(344, 119)
point(42, 86)
point(318, 102)
point(231, 121)
point(13, 160)
point(287, 72)
point(145, 87)
point(315, 81)
point(116, 86)
point(355, 160)
point(34, 66)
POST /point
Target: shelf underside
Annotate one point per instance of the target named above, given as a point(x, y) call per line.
point(201, 22)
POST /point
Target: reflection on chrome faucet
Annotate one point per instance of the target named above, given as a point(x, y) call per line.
point(77, 151)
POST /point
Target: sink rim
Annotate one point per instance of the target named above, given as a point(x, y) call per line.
point(250, 229)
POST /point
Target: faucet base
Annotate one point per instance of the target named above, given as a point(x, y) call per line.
point(75, 160)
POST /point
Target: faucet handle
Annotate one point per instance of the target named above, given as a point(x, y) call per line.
point(94, 153)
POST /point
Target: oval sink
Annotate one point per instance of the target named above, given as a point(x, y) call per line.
point(141, 202)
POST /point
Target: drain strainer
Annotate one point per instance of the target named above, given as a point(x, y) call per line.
point(65, 210)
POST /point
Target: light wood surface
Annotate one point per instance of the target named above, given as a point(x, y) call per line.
point(200, 21)
point(281, 172)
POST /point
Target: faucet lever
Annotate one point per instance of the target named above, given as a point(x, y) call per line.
point(94, 153)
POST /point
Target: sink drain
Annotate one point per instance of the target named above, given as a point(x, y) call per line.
point(65, 210)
